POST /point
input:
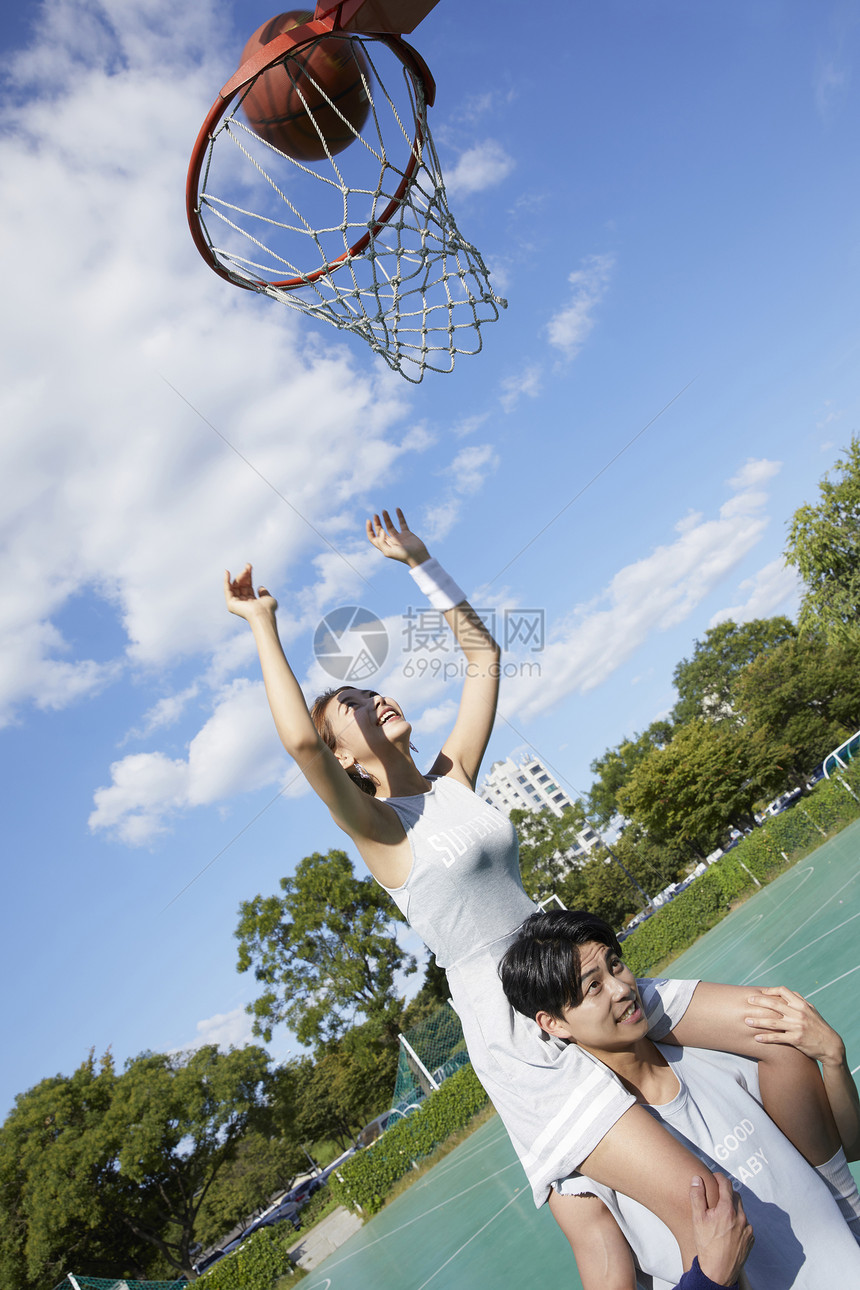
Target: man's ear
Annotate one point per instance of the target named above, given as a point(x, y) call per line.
point(553, 1025)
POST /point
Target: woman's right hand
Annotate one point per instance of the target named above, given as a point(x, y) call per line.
point(397, 544)
point(241, 598)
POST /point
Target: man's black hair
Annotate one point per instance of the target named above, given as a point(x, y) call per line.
point(540, 970)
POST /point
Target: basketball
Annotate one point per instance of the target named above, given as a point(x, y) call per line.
point(284, 105)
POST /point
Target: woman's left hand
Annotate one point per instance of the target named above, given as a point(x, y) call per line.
point(397, 544)
point(787, 1018)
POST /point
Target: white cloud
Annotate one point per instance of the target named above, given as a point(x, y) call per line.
point(650, 595)
point(166, 712)
point(830, 84)
point(124, 497)
point(568, 329)
point(776, 588)
point(526, 383)
point(236, 751)
point(482, 166)
point(468, 473)
point(754, 472)
point(226, 1030)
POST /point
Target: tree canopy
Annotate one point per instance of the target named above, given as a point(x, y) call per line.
point(694, 789)
point(706, 682)
point(111, 1170)
point(824, 545)
point(802, 699)
point(325, 952)
point(614, 768)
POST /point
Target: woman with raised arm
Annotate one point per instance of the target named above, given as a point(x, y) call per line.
point(450, 862)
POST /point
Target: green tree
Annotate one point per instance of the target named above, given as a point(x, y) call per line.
point(433, 993)
point(325, 951)
point(57, 1184)
point(111, 1170)
point(706, 682)
point(690, 792)
point(608, 891)
point(614, 768)
point(547, 843)
point(653, 864)
point(345, 1087)
point(801, 700)
point(261, 1167)
point(824, 545)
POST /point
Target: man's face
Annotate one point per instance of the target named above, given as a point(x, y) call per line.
point(610, 1016)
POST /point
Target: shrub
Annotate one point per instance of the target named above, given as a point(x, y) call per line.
point(365, 1179)
point(762, 855)
point(257, 1263)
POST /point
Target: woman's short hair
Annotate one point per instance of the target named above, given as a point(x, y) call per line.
point(540, 970)
point(321, 721)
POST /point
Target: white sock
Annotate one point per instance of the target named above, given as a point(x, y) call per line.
point(840, 1180)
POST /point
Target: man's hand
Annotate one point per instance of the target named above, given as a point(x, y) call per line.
point(724, 1238)
point(787, 1018)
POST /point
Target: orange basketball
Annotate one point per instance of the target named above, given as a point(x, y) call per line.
point(274, 107)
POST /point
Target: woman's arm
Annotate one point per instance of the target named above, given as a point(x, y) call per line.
point(791, 1019)
point(352, 810)
point(464, 748)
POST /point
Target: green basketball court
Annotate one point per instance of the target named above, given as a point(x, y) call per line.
point(471, 1223)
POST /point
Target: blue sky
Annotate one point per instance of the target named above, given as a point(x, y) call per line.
point(665, 193)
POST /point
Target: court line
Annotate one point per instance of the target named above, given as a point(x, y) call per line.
point(800, 926)
point(835, 979)
point(474, 1235)
point(449, 1163)
point(806, 946)
point(321, 1285)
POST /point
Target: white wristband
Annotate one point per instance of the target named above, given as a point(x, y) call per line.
point(438, 586)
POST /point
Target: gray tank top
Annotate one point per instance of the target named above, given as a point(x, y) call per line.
point(463, 891)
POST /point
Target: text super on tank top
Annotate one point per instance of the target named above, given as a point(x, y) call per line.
point(463, 890)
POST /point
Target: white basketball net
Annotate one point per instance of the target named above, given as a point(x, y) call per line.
point(419, 293)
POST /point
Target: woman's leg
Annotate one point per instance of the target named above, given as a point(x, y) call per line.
point(792, 1089)
point(640, 1158)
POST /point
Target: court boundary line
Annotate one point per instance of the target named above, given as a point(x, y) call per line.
point(513, 1164)
point(516, 1196)
point(800, 927)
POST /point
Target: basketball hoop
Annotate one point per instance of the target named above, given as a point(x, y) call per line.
point(363, 239)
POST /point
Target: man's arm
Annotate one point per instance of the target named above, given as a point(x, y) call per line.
point(603, 1257)
point(604, 1260)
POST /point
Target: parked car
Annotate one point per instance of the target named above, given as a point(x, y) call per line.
point(285, 1210)
point(212, 1257)
point(783, 802)
point(374, 1130)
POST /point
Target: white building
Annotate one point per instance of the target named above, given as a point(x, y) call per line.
point(528, 786)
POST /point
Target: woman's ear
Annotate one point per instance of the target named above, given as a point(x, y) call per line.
point(346, 759)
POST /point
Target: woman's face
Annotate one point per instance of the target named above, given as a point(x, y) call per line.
point(365, 723)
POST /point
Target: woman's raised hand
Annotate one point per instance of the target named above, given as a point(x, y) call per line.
point(241, 598)
point(397, 544)
point(790, 1019)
